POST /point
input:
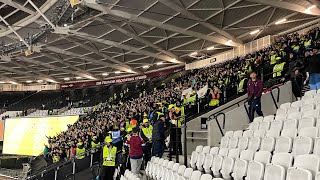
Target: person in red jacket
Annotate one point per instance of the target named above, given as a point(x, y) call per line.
point(136, 145)
point(255, 89)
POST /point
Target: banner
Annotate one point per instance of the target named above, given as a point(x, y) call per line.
point(1, 129)
point(202, 91)
point(121, 80)
point(186, 92)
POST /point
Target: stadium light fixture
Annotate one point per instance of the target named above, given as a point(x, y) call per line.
point(145, 67)
point(308, 10)
point(117, 72)
point(130, 71)
point(210, 48)
point(66, 79)
point(65, 25)
point(52, 81)
point(39, 81)
point(229, 42)
point(255, 32)
point(90, 77)
point(28, 81)
point(105, 74)
point(13, 82)
point(194, 54)
point(159, 63)
point(78, 77)
point(2, 82)
point(281, 21)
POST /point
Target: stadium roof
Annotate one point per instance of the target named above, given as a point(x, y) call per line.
point(99, 40)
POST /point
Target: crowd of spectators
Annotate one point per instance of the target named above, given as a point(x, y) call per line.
point(291, 57)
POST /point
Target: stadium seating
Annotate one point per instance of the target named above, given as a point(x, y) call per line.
point(270, 149)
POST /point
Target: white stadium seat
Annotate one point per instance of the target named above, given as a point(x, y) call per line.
point(196, 175)
point(302, 145)
point(269, 118)
point(256, 167)
point(276, 170)
point(290, 124)
point(233, 143)
point(193, 160)
point(214, 150)
point(285, 105)
point(307, 107)
point(259, 133)
point(254, 126)
point(298, 174)
point(306, 122)
point(310, 101)
point(318, 176)
point(207, 163)
point(292, 133)
point(228, 163)
point(280, 117)
point(276, 125)
point(309, 162)
point(181, 170)
point(169, 175)
point(241, 165)
point(170, 164)
point(206, 149)
point(187, 173)
point(175, 167)
point(165, 163)
point(248, 133)
point(264, 125)
point(228, 134)
point(296, 104)
point(310, 93)
point(181, 178)
point(175, 176)
point(223, 152)
point(206, 177)
point(199, 149)
point(312, 114)
point(283, 144)
point(200, 161)
point(293, 110)
point(258, 119)
point(243, 143)
point(316, 148)
point(268, 144)
point(224, 142)
point(309, 132)
point(216, 165)
point(273, 133)
point(238, 133)
point(294, 115)
point(254, 144)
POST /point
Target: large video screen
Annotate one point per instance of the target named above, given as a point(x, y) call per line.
point(27, 136)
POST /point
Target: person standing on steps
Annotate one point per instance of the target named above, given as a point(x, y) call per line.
point(255, 88)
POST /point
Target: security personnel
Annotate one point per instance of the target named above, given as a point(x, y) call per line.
point(114, 96)
point(109, 154)
point(175, 135)
point(193, 96)
point(116, 137)
point(278, 69)
point(80, 150)
point(307, 43)
point(242, 84)
point(94, 144)
point(146, 135)
point(55, 158)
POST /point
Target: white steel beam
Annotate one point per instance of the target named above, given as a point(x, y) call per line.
point(190, 15)
point(288, 6)
point(154, 23)
point(17, 6)
point(40, 12)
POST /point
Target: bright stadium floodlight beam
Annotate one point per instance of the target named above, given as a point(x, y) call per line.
point(255, 32)
point(39, 81)
point(2, 82)
point(159, 63)
point(145, 67)
point(78, 77)
point(117, 72)
point(210, 48)
point(66, 79)
point(28, 81)
point(105, 74)
point(281, 21)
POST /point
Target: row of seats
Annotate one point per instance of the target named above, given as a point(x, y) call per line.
point(77, 111)
point(160, 169)
point(128, 175)
point(255, 165)
point(10, 114)
point(38, 113)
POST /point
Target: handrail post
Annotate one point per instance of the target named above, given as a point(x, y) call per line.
point(273, 99)
point(185, 143)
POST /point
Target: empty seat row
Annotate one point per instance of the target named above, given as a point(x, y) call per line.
point(128, 175)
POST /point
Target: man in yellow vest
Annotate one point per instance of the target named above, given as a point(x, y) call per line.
point(278, 70)
point(80, 150)
point(109, 154)
point(94, 144)
point(146, 134)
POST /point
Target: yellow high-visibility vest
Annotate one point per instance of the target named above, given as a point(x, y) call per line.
point(94, 146)
point(56, 158)
point(307, 43)
point(241, 84)
point(277, 69)
point(80, 151)
point(147, 131)
point(109, 156)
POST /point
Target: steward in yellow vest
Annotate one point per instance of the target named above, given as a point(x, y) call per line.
point(146, 135)
point(278, 69)
point(55, 158)
point(80, 150)
point(109, 155)
point(95, 144)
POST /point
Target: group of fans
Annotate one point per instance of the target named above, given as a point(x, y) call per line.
point(137, 128)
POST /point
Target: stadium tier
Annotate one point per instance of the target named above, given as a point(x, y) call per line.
point(160, 89)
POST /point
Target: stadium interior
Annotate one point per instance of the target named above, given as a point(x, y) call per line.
point(160, 89)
